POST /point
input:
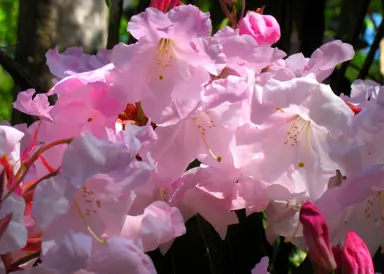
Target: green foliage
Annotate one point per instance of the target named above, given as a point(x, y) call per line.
point(8, 24)
point(6, 87)
point(8, 29)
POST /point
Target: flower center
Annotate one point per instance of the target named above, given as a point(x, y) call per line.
point(296, 130)
point(164, 56)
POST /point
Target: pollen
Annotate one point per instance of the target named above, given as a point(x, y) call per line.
point(295, 132)
point(164, 56)
point(301, 164)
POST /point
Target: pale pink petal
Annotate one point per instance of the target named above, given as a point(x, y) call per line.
point(75, 248)
point(120, 255)
point(159, 224)
point(14, 237)
point(73, 60)
point(87, 156)
point(150, 25)
point(262, 266)
point(324, 60)
point(39, 106)
point(190, 22)
point(230, 89)
point(9, 139)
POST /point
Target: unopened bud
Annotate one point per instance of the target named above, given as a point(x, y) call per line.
point(163, 5)
point(316, 235)
point(356, 258)
point(263, 28)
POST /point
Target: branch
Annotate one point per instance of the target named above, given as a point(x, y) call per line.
point(17, 72)
point(372, 51)
point(115, 12)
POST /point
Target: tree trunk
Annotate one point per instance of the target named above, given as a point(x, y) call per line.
point(45, 24)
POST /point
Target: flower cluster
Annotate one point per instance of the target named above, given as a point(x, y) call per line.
point(102, 176)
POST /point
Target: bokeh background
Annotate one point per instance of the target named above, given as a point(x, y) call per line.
point(28, 28)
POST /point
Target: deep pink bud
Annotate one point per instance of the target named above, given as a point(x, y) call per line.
point(356, 256)
point(163, 5)
point(316, 235)
point(264, 28)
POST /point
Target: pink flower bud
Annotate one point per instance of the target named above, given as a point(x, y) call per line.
point(356, 256)
point(316, 235)
point(264, 28)
point(163, 5)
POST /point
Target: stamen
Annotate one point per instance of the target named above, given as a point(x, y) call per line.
point(97, 238)
point(202, 133)
point(164, 56)
point(295, 134)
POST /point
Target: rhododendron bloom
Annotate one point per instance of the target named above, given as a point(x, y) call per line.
point(92, 192)
point(263, 28)
point(85, 103)
point(171, 60)
point(298, 119)
point(185, 122)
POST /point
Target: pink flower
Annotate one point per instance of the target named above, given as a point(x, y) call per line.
point(264, 28)
point(316, 235)
point(86, 102)
point(92, 193)
point(356, 258)
point(299, 119)
point(170, 63)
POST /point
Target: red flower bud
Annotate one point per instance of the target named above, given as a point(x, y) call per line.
point(356, 256)
point(316, 235)
point(163, 5)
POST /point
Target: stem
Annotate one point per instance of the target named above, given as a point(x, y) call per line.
point(28, 165)
point(372, 51)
